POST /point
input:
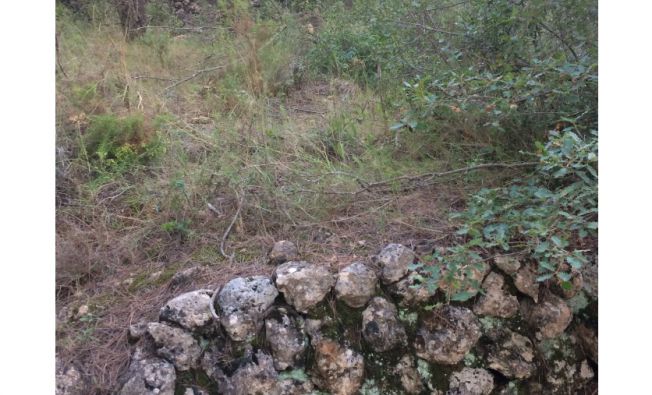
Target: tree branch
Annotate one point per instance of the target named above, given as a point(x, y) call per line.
point(197, 73)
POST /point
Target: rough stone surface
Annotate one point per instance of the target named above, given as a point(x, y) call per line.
point(550, 317)
point(525, 281)
point(287, 343)
point(475, 274)
point(588, 340)
point(340, 370)
point(255, 378)
point(304, 285)
point(296, 387)
point(380, 326)
point(394, 261)
point(590, 276)
point(243, 303)
point(508, 264)
point(175, 345)
point(283, 251)
point(147, 376)
point(511, 354)
point(185, 276)
point(356, 284)
point(194, 391)
point(573, 287)
point(496, 301)
point(406, 369)
point(470, 381)
point(137, 330)
point(447, 334)
point(190, 310)
point(69, 381)
point(411, 291)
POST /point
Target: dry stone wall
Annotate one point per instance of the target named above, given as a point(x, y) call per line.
point(368, 329)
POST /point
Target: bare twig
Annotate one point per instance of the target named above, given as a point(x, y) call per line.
point(561, 39)
point(147, 77)
point(197, 73)
point(197, 28)
point(430, 176)
point(228, 230)
point(429, 28)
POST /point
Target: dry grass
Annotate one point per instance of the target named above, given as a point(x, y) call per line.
point(296, 152)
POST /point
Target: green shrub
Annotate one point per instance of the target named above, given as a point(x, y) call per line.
point(549, 217)
point(116, 144)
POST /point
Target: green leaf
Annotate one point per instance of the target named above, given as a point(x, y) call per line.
point(542, 247)
point(547, 266)
point(592, 225)
point(574, 262)
point(544, 277)
point(564, 276)
point(463, 296)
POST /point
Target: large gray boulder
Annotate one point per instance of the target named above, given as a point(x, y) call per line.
point(394, 261)
point(255, 378)
point(243, 304)
point(356, 284)
point(340, 370)
point(551, 316)
point(496, 301)
point(447, 334)
point(381, 327)
point(175, 345)
point(411, 290)
point(510, 353)
point(303, 285)
point(470, 381)
point(286, 341)
point(191, 310)
point(406, 369)
point(149, 376)
point(525, 281)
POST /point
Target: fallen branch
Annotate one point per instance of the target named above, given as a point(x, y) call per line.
point(196, 74)
point(228, 230)
point(430, 176)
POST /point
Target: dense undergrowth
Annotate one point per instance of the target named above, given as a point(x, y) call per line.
point(320, 122)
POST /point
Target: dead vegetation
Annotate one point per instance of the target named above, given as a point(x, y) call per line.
point(250, 151)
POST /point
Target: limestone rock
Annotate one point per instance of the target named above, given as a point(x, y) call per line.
point(356, 284)
point(447, 334)
point(255, 378)
point(194, 391)
point(571, 288)
point(511, 354)
point(149, 376)
point(588, 340)
point(411, 290)
point(283, 251)
point(296, 387)
point(243, 303)
point(507, 263)
point(470, 381)
point(590, 277)
point(69, 381)
point(340, 370)
point(175, 345)
point(550, 317)
point(525, 281)
point(394, 261)
point(381, 327)
point(286, 342)
point(406, 369)
point(496, 301)
point(190, 310)
point(185, 276)
point(137, 330)
point(304, 285)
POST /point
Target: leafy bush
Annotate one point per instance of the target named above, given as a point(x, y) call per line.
point(499, 73)
point(117, 144)
point(550, 217)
